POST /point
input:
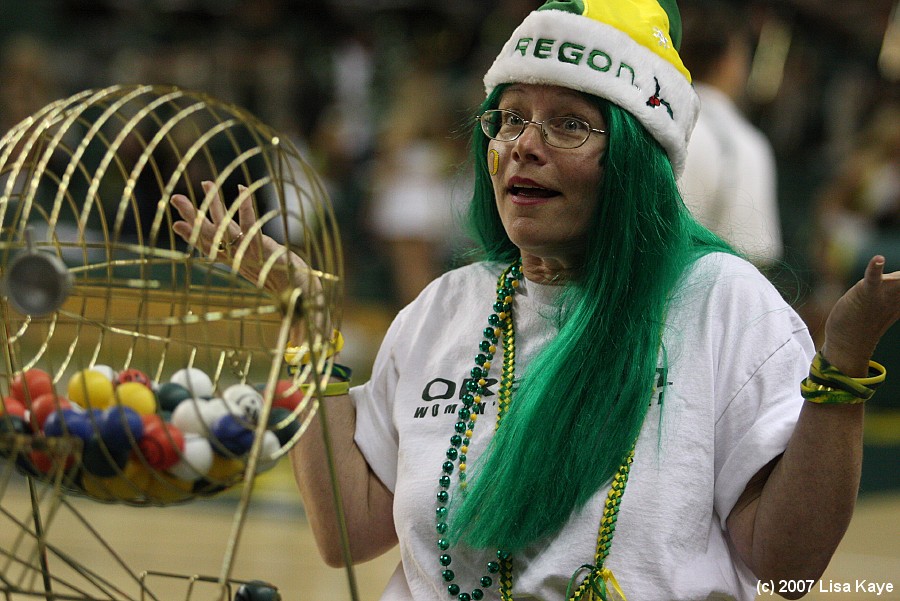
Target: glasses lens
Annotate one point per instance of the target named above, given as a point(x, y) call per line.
point(501, 125)
point(566, 132)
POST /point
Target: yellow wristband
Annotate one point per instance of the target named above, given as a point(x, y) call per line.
point(300, 355)
point(827, 385)
point(332, 389)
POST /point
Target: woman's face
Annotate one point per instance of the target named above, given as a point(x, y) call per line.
point(547, 196)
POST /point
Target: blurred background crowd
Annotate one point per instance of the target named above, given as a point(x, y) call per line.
point(802, 134)
point(795, 157)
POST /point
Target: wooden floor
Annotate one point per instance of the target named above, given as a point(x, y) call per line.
point(276, 546)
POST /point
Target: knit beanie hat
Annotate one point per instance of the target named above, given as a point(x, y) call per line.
point(625, 51)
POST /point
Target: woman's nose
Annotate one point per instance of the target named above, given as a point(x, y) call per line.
point(531, 143)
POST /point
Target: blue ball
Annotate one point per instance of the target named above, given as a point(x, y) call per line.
point(256, 590)
point(285, 431)
point(230, 433)
point(69, 421)
point(103, 462)
point(118, 425)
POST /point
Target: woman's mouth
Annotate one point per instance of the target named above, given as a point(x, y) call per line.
point(527, 190)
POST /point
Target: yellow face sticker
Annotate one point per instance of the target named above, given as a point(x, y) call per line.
point(494, 161)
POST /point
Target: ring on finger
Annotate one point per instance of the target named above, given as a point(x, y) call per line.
point(224, 245)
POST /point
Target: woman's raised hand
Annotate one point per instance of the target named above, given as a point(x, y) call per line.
point(258, 257)
point(861, 317)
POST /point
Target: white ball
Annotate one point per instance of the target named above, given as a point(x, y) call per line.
point(268, 454)
point(194, 380)
point(246, 407)
point(235, 391)
point(212, 410)
point(107, 371)
point(188, 417)
point(196, 460)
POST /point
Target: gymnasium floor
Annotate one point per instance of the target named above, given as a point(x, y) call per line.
point(276, 546)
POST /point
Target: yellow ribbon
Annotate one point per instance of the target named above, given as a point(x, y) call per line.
point(300, 355)
point(596, 580)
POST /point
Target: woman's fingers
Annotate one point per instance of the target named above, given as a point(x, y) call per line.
point(874, 270)
point(216, 207)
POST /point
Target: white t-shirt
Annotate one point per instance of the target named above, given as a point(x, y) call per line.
point(736, 353)
point(729, 179)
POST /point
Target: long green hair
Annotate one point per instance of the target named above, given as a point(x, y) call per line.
point(581, 402)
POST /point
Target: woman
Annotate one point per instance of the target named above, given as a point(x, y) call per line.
point(610, 403)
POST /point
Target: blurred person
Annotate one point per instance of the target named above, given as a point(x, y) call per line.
point(857, 211)
point(612, 403)
point(417, 186)
point(26, 79)
point(730, 179)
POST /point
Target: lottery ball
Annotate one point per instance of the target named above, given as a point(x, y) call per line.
point(119, 487)
point(283, 424)
point(10, 424)
point(119, 426)
point(235, 391)
point(29, 385)
point(224, 471)
point(13, 424)
point(196, 459)
point(194, 380)
point(268, 456)
point(188, 417)
point(101, 461)
point(42, 462)
point(91, 389)
point(212, 410)
point(286, 395)
point(133, 375)
point(136, 396)
point(232, 435)
point(156, 487)
point(43, 406)
point(170, 394)
point(256, 590)
point(12, 406)
point(69, 422)
point(161, 445)
point(246, 407)
point(110, 373)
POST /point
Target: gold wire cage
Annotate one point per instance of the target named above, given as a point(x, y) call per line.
point(108, 314)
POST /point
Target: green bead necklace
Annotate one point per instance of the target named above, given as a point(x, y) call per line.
point(500, 327)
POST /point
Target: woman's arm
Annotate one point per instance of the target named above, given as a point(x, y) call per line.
point(794, 512)
point(367, 503)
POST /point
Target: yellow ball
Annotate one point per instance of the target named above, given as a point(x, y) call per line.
point(117, 488)
point(225, 471)
point(158, 487)
point(136, 396)
point(91, 389)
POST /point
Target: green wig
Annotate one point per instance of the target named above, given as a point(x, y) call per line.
point(596, 377)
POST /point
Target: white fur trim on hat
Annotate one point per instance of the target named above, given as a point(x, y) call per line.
point(560, 48)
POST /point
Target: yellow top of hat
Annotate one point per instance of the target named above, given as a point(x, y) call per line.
point(645, 21)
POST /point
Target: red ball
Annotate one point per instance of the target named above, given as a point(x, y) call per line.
point(29, 385)
point(284, 397)
point(133, 375)
point(162, 445)
point(44, 405)
point(152, 419)
point(12, 406)
point(45, 463)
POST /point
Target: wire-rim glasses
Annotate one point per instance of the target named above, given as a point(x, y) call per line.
point(562, 132)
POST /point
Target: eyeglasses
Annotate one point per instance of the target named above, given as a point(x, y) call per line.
point(561, 132)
